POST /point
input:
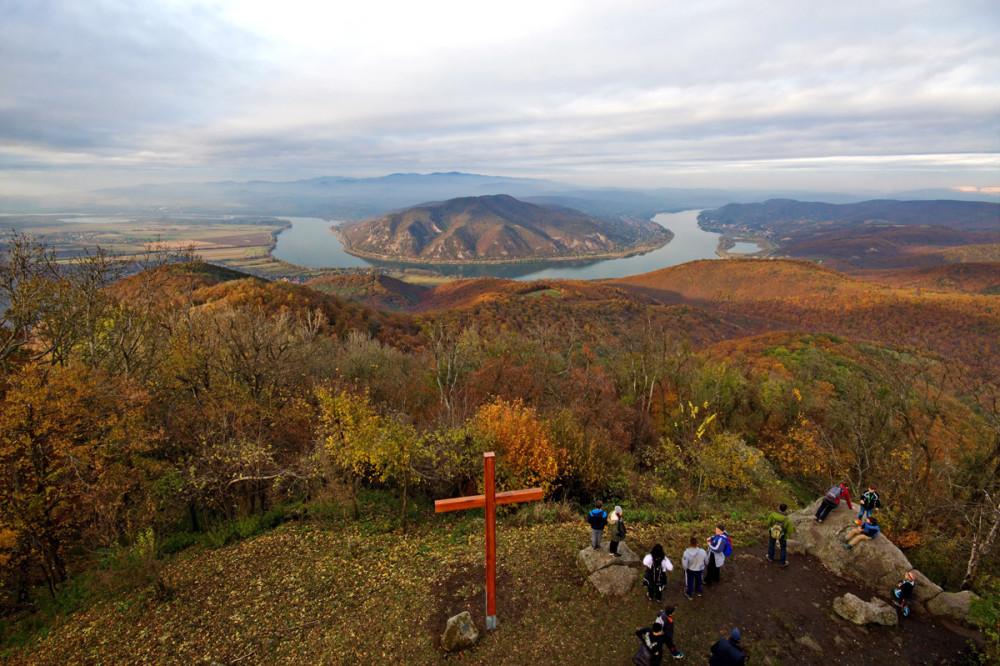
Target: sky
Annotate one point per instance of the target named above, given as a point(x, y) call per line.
point(837, 96)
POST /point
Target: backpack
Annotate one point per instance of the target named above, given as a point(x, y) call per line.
point(728, 549)
point(834, 493)
point(778, 530)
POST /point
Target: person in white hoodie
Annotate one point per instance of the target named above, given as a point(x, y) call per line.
point(694, 562)
point(616, 527)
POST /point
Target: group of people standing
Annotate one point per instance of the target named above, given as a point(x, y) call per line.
point(701, 568)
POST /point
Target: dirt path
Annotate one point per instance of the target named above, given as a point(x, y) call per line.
point(775, 606)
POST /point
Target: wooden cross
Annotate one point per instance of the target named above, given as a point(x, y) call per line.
point(489, 501)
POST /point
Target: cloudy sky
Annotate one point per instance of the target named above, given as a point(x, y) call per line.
point(839, 96)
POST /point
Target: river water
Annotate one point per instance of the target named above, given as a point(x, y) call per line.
point(309, 242)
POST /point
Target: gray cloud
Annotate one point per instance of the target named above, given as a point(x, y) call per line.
point(175, 90)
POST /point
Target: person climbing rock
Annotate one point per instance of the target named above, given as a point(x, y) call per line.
point(779, 528)
point(597, 519)
point(832, 500)
point(727, 651)
point(865, 532)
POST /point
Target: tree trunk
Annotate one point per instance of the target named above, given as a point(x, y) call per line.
point(981, 549)
point(402, 512)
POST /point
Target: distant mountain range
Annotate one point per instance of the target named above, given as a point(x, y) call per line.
point(357, 198)
point(496, 228)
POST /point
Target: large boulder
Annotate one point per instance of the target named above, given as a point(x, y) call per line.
point(952, 605)
point(877, 563)
point(460, 633)
point(590, 560)
point(614, 580)
point(860, 612)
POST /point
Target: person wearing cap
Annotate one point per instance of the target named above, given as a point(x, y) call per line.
point(616, 527)
point(727, 651)
point(904, 591)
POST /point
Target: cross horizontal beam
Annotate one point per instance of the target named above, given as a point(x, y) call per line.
point(479, 501)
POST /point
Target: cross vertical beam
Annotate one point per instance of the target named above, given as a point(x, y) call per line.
point(491, 542)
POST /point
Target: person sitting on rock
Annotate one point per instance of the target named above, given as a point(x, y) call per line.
point(597, 519)
point(866, 532)
point(665, 619)
point(870, 503)
point(727, 652)
point(655, 579)
point(831, 500)
point(616, 523)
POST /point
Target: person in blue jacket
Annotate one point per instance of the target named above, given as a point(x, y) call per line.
point(597, 519)
point(727, 651)
point(864, 532)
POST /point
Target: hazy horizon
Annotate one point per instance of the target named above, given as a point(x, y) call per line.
point(849, 97)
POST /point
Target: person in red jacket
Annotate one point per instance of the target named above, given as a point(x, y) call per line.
point(831, 500)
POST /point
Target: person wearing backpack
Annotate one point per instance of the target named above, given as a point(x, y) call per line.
point(720, 546)
point(597, 519)
point(616, 525)
point(831, 500)
point(779, 528)
point(655, 578)
point(866, 532)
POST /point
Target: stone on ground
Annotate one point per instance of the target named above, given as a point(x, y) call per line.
point(810, 643)
point(860, 612)
point(460, 633)
point(614, 580)
point(590, 560)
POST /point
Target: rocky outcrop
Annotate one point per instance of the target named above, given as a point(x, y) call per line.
point(615, 581)
point(952, 605)
point(861, 612)
point(460, 633)
point(614, 576)
point(877, 563)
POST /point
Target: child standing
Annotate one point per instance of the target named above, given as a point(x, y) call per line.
point(665, 619)
point(904, 591)
point(694, 561)
point(870, 503)
point(597, 519)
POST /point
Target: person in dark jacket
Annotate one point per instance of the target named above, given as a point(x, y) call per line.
point(832, 500)
point(597, 519)
point(616, 525)
point(650, 653)
point(870, 503)
point(727, 652)
point(665, 619)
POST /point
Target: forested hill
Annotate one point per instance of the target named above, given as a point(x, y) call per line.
point(149, 423)
point(496, 228)
point(786, 213)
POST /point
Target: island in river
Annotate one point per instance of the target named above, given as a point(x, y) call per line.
point(496, 229)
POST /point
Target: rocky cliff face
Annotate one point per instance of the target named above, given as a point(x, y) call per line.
point(496, 228)
point(877, 563)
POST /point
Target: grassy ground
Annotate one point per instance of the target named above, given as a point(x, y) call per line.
point(328, 590)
